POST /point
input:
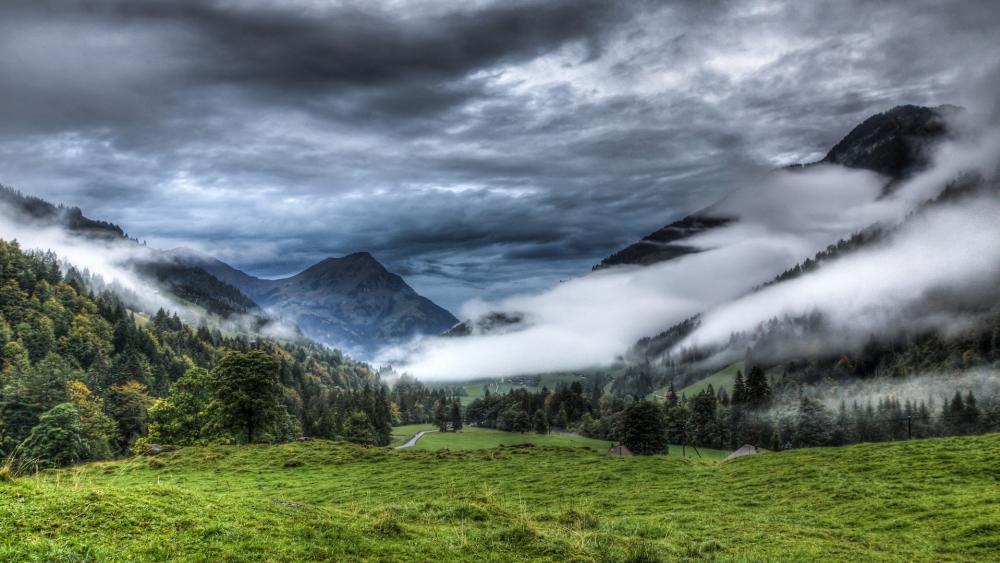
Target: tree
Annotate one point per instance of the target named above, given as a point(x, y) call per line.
point(739, 395)
point(97, 426)
point(814, 424)
point(58, 439)
point(541, 425)
point(129, 405)
point(181, 418)
point(758, 390)
point(381, 418)
point(441, 415)
point(514, 419)
point(643, 430)
point(675, 420)
point(38, 338)
point(358, 429)
point(456, 415)
point(970, 416)
point(561, 420)
point(704, 424)
point(246, 395)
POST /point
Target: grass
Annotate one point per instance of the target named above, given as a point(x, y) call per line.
point(930, 500)
point(723, 378)
point(472, 438)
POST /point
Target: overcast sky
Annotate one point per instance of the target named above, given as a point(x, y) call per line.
point(477, 148)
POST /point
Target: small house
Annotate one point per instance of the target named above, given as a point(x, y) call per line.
point(619, 451)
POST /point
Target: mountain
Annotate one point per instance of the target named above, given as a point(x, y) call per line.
point(49, 215)
point(185, 282)
point(891, 143)
point(803, 348)
point(353, 301)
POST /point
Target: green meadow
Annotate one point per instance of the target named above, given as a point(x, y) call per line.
point(472, 438)
point(929, 500)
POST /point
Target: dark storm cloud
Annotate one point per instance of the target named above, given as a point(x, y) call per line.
point(478, 148)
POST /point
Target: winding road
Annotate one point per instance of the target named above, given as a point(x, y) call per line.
point(409, 443)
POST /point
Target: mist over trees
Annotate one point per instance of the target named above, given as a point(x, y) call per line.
point(83, 377)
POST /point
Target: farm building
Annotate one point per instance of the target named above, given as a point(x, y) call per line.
point(745, 450)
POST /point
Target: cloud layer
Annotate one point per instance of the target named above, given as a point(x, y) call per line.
point(481, 150)
point(783, 219)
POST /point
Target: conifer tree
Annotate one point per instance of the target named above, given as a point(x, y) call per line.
point(456, 415)
point(739, 394)
point(758, 390)
point(539, 422)
point(441, 415)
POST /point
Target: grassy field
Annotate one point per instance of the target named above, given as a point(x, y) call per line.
point(722, 378)
point(932, 500)
point(472, 438)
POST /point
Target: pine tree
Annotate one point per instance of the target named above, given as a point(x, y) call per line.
point(456, 415)
point(539, 422)
point(381, 418)
point(970, 414)
point(758, 390)
point(358, 429)
point(739, 394)
point(441, 415)
point(813, 425)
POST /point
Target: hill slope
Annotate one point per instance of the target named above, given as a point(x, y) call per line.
point(932, 500)
point(185, 282)
point(892, 143)
point(351, 301)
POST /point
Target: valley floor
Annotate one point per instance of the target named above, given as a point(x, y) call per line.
point(929, 500)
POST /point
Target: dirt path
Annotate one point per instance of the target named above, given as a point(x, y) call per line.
point(409, 443)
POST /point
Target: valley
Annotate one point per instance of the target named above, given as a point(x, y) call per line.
point(502, 281)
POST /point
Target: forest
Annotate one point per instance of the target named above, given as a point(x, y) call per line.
point(84, 378)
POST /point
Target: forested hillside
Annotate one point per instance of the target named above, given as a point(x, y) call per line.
point(83, 377)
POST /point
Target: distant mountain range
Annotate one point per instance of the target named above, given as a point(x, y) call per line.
point(892, 143)
point(352, 301)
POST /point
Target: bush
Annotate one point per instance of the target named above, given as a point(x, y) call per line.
point(57, 440)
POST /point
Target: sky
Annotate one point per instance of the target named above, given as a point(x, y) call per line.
point(480, 149)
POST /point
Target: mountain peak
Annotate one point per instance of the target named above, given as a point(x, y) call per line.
point(893, 143)
point(356, 265)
